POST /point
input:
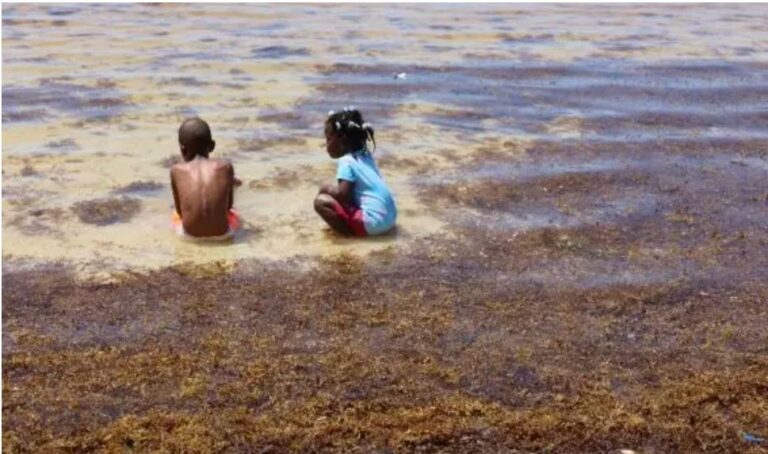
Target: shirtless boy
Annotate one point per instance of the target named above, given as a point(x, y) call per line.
point(203, 189)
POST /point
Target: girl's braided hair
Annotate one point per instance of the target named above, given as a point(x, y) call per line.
point(350, 124)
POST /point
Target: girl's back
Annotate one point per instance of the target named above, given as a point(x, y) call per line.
point(370, 192)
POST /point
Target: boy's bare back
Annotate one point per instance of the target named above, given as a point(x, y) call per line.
point(202, 187)
point(203, 195)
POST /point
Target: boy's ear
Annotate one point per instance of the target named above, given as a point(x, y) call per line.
point(213, 145)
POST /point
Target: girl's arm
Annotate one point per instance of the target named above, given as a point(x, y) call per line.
point(341, 192)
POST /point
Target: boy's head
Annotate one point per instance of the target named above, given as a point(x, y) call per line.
point(195, 139)
point(346, 131)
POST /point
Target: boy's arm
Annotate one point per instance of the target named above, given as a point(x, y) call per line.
point(232, 182)
point(175, 194)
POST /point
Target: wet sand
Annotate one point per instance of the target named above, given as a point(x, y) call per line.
point(580, 263)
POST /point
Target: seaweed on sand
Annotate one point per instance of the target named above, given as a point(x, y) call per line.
point(372, 354)
point(107, 210)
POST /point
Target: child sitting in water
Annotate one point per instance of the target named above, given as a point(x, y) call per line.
point(203, 188)
point(360, 203)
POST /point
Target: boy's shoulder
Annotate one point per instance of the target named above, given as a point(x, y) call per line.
point(188, 168)
point(210, 162)
point(179, 167)
point(220, 163)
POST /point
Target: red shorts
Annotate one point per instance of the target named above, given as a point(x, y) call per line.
point(352, 215)
point(233, 220)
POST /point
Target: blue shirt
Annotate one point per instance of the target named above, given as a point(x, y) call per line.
point(369, 192)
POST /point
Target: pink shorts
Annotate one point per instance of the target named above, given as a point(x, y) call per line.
point(352, 215)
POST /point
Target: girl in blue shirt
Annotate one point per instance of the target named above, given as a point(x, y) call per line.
point(360, 203)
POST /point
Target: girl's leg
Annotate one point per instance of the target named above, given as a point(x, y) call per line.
point(325, 207)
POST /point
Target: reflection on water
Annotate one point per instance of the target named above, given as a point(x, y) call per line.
point(91, 107)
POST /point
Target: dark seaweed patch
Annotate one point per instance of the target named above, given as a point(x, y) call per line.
point(139, 187)
point(106, 83)
point(103, 103)
point(26, 115)
point(28, 171)
point(477, 195)
point(527, 38)
point(279, 117)
point(233, 86)
point(282, 178)
point(107, 211)
point(257, 144)
point(63, 144)
point(667, 195)
point(62, 11)
point(279, 52)
point(290, 119)
point(33, 22)
point(433, 48)
point(184, 81)
point(693, 69)
point(420, 165)
point(693, 121)
point(91, 103)
point(41, 221)
point(624, 47)
point(384, 69)
point(743, 51)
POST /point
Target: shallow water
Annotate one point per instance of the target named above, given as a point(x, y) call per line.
point(91, 106)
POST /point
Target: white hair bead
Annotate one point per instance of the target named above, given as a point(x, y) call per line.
point(338, 126)
point(353, 124)
point(330, 112)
